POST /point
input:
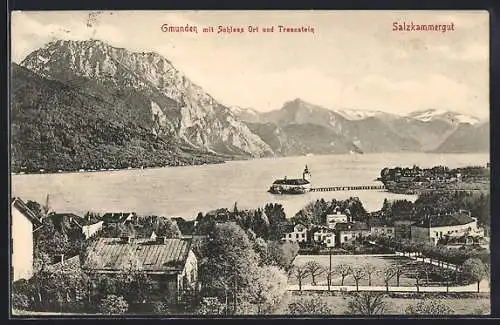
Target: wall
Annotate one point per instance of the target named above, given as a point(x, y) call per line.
point(419, 234)
point(22, 245)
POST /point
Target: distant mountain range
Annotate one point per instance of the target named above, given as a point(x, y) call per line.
point(300, 127)
point(86, 104)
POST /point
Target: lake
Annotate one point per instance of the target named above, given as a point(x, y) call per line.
point(185, 191)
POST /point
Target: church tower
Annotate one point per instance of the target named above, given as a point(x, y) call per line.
point(306, 175)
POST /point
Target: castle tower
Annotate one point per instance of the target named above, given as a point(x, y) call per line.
point(306, 175)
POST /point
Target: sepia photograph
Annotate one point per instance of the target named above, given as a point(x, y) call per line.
point(244, 163)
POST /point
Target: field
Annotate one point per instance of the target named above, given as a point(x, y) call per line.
point(397, 306)
point(378, 261)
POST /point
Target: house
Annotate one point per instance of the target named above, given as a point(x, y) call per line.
point(72, 224)
point(65, 264)
point(336, 217)
point(431, 229)
point(325, 236)
point(380, 228)
point(349, 231)
point(170, 263)
point(24, 223)
point(295, 233)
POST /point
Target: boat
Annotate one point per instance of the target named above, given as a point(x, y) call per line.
point(292, 185)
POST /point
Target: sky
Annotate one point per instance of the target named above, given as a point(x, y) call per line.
point(353, 60)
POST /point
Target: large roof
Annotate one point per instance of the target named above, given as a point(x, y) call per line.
point(443, 220)
point(23, 208)
point(112, 254)
point(291, 181)
point(356, 226)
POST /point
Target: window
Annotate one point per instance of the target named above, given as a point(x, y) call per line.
point(303, 235)
point(289, 235)
point(345, 238)
point(296, 235)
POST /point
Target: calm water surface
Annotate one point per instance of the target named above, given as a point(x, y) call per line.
point(184, 191)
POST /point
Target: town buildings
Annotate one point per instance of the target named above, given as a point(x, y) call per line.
point(432, 229)
point(24, 223)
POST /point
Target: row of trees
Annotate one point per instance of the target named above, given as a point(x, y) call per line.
point(472, 270)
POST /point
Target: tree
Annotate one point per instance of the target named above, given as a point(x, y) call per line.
point(231, 263)
point(300, 273)
point(312, 306)
point(357, 274)
point(387, 274)
point(429, 307)
point(282, 253)
point(314, 269)
point(167, 228)
point(448, 275)
point(344, 270)
point(367, 303)
point(474, 270)
point(369, 269)
point(398, 268)
point(269, 287)
point(113, 305)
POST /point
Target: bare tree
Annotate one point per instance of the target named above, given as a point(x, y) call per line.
point(399, 269)
point(369, 270)
point(300, 273)
point(344, 270)
point(367, 303)
point(357, 274)
point(387, 274)
point(314, 269)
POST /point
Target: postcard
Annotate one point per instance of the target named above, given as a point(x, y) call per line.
point(226, 163)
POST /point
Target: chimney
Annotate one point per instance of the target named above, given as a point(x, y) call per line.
point(126, 239)
point(62, 259)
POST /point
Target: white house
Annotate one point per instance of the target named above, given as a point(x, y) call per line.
point(296, 233)
point(433, 228)
point(347, 232)
point(325, 236)
point(336, 217)
point(378, 228)
point(23, 223)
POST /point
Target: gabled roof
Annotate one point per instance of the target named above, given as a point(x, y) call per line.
point(116, 217)
point(115, 255)
point(23, 208)
point(454, 219)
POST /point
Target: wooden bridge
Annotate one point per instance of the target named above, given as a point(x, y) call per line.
point(347, 188)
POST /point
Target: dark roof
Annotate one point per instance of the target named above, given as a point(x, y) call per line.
point(376, 222)
point(454, 219)
point(115, 255)
point(70, 263)
point(356, 226)
point(292, 181)
point(23, 208)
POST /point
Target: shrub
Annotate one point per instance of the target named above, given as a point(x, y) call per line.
point(113, 305)
point(429, 307)
point(160, 308)
point(20, 301)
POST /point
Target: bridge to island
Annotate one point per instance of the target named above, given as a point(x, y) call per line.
point(347, 188)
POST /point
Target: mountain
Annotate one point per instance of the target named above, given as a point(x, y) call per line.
point(443, 115)
point(56, 126)
point(372, 131)
point(177, 107)
point(246, 114)
point(468, 138)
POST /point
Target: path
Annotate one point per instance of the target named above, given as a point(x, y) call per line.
point(483, 287)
